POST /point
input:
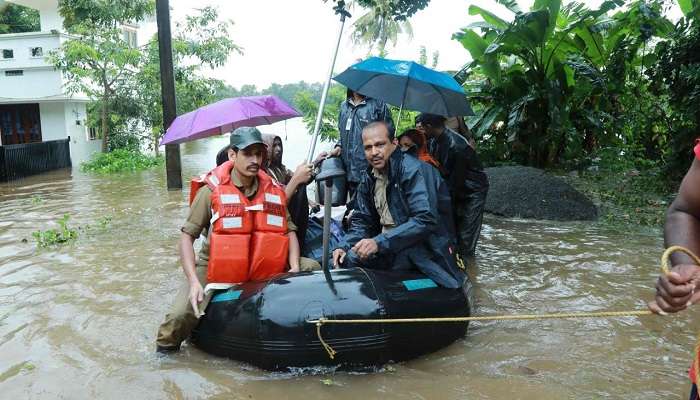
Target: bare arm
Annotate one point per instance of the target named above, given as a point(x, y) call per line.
point(294, 252)
point(188, 267)
point(301, 176)
point(683, 217)
point(676, 290)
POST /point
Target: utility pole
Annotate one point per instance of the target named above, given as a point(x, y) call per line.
point(173, 166)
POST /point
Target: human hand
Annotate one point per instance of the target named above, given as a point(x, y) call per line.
point(675, 291)
point(196, 296)
point(335, 152)
point(365, 248)
point(322, 156)
point(338, 257)
point(303, 173)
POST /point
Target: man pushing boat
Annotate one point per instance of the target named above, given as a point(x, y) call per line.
point(248, 234)
point(397, 221)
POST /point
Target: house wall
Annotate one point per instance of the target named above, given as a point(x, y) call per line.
point(81, 148)
point(53, 121)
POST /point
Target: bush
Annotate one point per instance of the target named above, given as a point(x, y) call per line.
point(120, 160)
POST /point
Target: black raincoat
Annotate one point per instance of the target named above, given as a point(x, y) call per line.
point(420, 240)
point(351, 121)
point(468, 184)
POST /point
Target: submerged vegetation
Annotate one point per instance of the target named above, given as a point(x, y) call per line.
point(50, 237)
point(121, 160)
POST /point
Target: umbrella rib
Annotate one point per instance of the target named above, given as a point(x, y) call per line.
point(444, 101)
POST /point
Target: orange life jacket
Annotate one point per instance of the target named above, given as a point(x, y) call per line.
point(247, 238)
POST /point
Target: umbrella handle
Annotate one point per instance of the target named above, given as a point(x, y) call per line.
point(317, 127)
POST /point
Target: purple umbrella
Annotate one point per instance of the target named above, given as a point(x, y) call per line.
point(227, 115)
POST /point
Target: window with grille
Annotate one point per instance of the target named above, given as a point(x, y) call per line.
point(14, 72)
point(8, 54)
point(36, 51)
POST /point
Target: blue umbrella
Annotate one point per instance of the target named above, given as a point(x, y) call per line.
point(407, 84)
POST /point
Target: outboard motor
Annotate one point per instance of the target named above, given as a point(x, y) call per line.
point(332, 168)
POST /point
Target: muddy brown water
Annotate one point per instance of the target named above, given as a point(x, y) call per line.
point(78, 321)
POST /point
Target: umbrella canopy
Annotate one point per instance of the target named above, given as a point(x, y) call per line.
point(227, 115)
point(408, 85)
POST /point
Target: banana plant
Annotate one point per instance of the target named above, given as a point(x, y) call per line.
point(540, 68)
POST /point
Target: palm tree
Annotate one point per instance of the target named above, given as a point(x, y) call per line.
point(377, 27)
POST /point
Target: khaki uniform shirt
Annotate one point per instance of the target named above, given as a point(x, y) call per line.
point(380, 202)
point(197, 222)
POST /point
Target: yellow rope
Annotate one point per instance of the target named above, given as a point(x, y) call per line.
point(599, 314)
point(664, 267)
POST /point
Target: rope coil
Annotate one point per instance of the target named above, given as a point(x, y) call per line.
point(599, 314)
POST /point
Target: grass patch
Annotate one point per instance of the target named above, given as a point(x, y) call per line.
point(630, 197)
point(120, 160)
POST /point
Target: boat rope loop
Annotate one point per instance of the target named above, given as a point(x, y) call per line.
point(599, 314)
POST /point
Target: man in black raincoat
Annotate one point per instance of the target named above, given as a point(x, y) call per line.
point(396, 222)
point(355, 113)
point(464, 174)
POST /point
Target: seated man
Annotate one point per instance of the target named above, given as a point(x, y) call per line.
point(396, 222)
point(248, 212)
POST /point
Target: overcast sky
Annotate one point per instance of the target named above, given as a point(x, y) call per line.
point(287, 41)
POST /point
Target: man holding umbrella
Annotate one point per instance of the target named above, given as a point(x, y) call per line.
point(356, 112)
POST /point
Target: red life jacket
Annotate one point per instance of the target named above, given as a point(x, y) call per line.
point(247, 238)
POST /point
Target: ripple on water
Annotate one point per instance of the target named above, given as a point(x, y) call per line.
point(88, 312)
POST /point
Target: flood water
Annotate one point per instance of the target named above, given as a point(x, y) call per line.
point(78, 321)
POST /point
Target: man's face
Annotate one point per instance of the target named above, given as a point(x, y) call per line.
point(378, 147)
point(277, 150)
point(421, 128)
point(247, 161)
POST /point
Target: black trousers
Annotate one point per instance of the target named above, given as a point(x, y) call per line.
point(468, 215)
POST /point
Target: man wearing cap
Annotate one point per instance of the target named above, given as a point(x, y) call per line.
point(242, 175)
point(465, 177)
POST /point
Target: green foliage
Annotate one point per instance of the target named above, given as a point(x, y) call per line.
point(201, 41)
point(308, 106)
point(550, 86)
point(379, 26)
point(120, 160)
point(286, 92)
point(51, 237)
point(125, 80)
point(97, 14)
point(398, 9)
point(17, 19)
point(676, 77)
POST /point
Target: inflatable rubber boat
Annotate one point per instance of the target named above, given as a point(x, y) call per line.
point(266, 324)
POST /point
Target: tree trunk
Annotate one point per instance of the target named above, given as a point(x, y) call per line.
point(105, 125)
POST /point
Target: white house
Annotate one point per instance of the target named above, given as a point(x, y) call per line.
point(34, 105)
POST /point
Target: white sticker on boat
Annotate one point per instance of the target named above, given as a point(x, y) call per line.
point(230, 199)
point(273, 198)
point(275, 220)
point(232, 222)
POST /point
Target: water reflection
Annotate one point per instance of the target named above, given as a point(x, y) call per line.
point(79, 321)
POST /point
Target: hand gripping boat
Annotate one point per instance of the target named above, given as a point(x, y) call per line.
point(266, 323)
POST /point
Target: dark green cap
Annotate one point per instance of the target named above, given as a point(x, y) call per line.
point(245, 136)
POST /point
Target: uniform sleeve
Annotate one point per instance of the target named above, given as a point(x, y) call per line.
point(200, 214)
point(290, 224)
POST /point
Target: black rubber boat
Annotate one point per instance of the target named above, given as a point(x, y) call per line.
point(265, 323)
